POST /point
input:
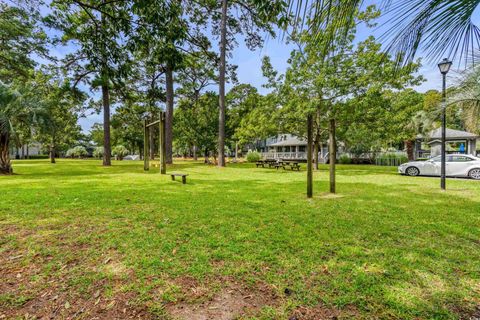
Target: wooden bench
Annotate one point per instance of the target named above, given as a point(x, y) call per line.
point(183, 175)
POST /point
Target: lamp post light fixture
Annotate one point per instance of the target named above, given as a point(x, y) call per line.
point(444, 67)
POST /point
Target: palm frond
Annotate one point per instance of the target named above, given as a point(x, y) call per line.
point(439, 27)
point(319, 15)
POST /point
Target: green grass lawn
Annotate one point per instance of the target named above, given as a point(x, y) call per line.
point(78, 240)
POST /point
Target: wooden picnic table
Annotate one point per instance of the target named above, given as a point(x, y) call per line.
point(270, 162)
point(260, 163)
point(292, 164)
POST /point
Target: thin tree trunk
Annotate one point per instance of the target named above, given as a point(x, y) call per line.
point(106, 125)
point(151, 137)
point(309, 156)
point(206, 156)
point(195, 156)
point(52, 153)
point(107, 151)
point(221, 91)
point(409, 147)
point(332, 153)
point(5, 165)
point(315, 151)
point(169, 114)
point(23, 151)
point(28, 152)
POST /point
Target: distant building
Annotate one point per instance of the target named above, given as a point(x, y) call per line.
point(457, 141)
point(30, 149)
point(286, 146)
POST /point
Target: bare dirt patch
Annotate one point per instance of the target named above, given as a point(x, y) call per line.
point(45, 286)
point(321, 312)
point(233, 300)
point(316, 313)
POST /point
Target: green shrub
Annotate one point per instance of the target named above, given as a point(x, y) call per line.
point(253, 156)
point(98, 152)
point(391, 159)
point(77, 152)
point(344, 159)
point(119, 152)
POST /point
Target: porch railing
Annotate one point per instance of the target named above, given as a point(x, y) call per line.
point(284, 155)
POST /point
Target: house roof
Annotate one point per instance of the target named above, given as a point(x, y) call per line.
point(290, 141)
point(450, 134)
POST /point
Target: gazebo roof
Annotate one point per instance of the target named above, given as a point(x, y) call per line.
point(450, 134)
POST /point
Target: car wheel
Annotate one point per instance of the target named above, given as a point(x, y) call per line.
point(474, 174)
point(412, 171)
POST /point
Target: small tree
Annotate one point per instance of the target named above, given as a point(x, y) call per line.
point(119, 152)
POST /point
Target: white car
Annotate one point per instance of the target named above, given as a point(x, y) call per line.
point(456, 165)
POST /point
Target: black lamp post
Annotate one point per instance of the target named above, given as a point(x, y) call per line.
point(444, 67)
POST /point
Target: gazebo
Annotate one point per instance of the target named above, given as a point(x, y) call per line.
point(457, 141)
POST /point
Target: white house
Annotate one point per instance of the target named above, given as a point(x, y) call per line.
point(287, 146)
point(30, 149)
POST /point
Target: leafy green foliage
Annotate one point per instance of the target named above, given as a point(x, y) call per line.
point(62, 104)
point(196, 124)
point(21, 37)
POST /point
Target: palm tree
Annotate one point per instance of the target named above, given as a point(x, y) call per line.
point(15, 110)
point(467, 98)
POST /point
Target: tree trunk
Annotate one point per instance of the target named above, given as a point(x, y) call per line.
point(52, 153)
point(221, 91)
point(309, 156)
point(23, 151)
point(169, 114)
point(106, 125)
point(332, 153)
point(206, 156)
point(5, 165)
point(195, 157)
point(316, 148)
point(107, 151)
point(409, 146)
point(151, 143)
point(28, 152)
